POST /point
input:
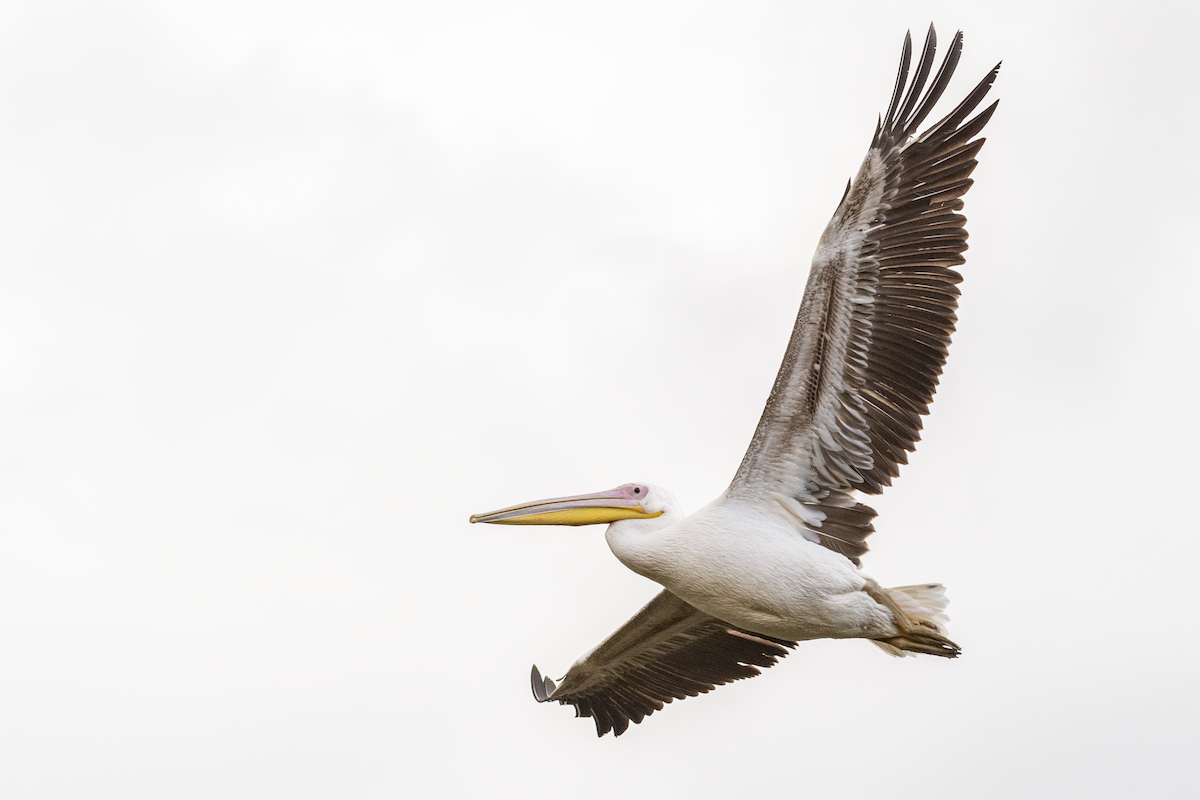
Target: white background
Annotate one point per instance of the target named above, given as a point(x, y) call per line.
point(288, 291)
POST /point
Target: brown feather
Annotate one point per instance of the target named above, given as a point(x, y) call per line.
point(879, 310)
point(667, 651)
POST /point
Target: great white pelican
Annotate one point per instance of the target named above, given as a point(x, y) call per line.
point(775, 559)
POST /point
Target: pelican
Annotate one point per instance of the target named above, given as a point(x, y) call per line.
point(775, 559)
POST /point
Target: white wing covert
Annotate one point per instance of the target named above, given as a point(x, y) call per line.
point(874, 327)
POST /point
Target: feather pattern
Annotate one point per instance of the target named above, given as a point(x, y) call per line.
point(667, 651)
point(875, 323)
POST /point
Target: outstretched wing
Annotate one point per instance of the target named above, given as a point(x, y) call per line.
point(668, 650)
point(874, 326)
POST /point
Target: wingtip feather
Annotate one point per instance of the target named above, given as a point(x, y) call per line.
point(543, 688)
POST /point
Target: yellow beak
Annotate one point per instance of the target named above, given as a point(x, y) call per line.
point(582, 509)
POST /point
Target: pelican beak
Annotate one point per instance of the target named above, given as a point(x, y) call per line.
point(582, 509)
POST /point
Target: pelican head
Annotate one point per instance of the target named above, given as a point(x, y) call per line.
point(630, 501)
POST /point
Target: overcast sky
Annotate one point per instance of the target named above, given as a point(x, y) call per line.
point(289, 290)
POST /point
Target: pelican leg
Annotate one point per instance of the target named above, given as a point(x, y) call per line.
point(916, 635)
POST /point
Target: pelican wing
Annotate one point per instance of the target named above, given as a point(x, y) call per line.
point(874, 326)
point(668, 650)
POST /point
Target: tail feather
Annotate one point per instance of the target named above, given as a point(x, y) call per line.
point(927, 601)
point(926, 604)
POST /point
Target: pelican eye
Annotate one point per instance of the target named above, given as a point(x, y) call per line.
point(635, 491)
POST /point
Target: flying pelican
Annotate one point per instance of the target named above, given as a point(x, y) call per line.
point(775, 559)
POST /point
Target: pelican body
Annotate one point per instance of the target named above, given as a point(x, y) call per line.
point(775, 559)
point(720, 558)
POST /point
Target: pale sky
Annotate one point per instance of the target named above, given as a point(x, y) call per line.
point(289, 290)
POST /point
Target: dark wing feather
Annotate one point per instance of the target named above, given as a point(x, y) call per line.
point(667, 651)
point(875, 324)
